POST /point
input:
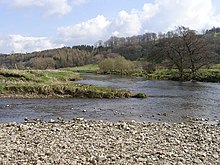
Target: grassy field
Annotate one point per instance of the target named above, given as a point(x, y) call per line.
point(92, 68)
point(52, 84)
point(203, 75)
point(211, 74)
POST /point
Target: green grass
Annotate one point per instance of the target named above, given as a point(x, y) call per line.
point(64, 90)
point(41, 76)
point(52, 83)
point(56, 76)
point(164, 74)
point(216, 66)
point(92, 68)
point(205, 75)
point(209, 75)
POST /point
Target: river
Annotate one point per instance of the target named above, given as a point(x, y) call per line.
point(168, 101)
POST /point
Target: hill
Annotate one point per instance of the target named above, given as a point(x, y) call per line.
point(135, 48)
point(47, 59)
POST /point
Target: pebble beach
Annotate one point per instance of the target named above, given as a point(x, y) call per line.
point(81, 141)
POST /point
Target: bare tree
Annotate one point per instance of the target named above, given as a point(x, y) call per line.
point(198, 52)
point(184, 49)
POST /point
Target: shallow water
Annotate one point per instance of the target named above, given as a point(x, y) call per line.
point(169, 101)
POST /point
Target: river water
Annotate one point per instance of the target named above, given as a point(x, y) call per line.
point(169, 101)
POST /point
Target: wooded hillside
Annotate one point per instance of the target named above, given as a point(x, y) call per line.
point(136, 48)
point(48, 59)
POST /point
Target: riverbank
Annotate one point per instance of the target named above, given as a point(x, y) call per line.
point(53, 84)
point(211, 74)
point(203, 75)
point(82, 141)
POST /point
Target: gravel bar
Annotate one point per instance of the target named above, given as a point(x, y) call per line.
point(81, 141)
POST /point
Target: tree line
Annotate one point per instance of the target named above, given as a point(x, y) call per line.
point(182, 49)
point(47, 59)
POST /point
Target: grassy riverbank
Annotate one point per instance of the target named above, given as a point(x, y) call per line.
point(92, 68)
point(211, 74)
point(203, 75)
point(52, 84)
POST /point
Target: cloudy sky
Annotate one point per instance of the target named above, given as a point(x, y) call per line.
point(33, 25)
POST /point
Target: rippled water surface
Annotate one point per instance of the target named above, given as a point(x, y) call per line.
point(169, 101)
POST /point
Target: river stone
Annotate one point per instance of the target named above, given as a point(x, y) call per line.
point(81, 141)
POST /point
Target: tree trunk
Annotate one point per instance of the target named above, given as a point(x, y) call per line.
point(181, 74)
point(193, 71)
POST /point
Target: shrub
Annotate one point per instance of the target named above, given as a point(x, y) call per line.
point(118, 64)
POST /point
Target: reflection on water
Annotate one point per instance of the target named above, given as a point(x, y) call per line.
point(169, 101)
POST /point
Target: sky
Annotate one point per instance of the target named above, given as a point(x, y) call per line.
point(34, 25)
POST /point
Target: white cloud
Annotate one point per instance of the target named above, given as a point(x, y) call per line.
point(51, 7)
point(86, 32)
point(126, 24)
point(149, 10)
point(160, 16)
point(19, 43)
point(196, 14)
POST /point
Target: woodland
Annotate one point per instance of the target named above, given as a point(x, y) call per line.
point(182, 49)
